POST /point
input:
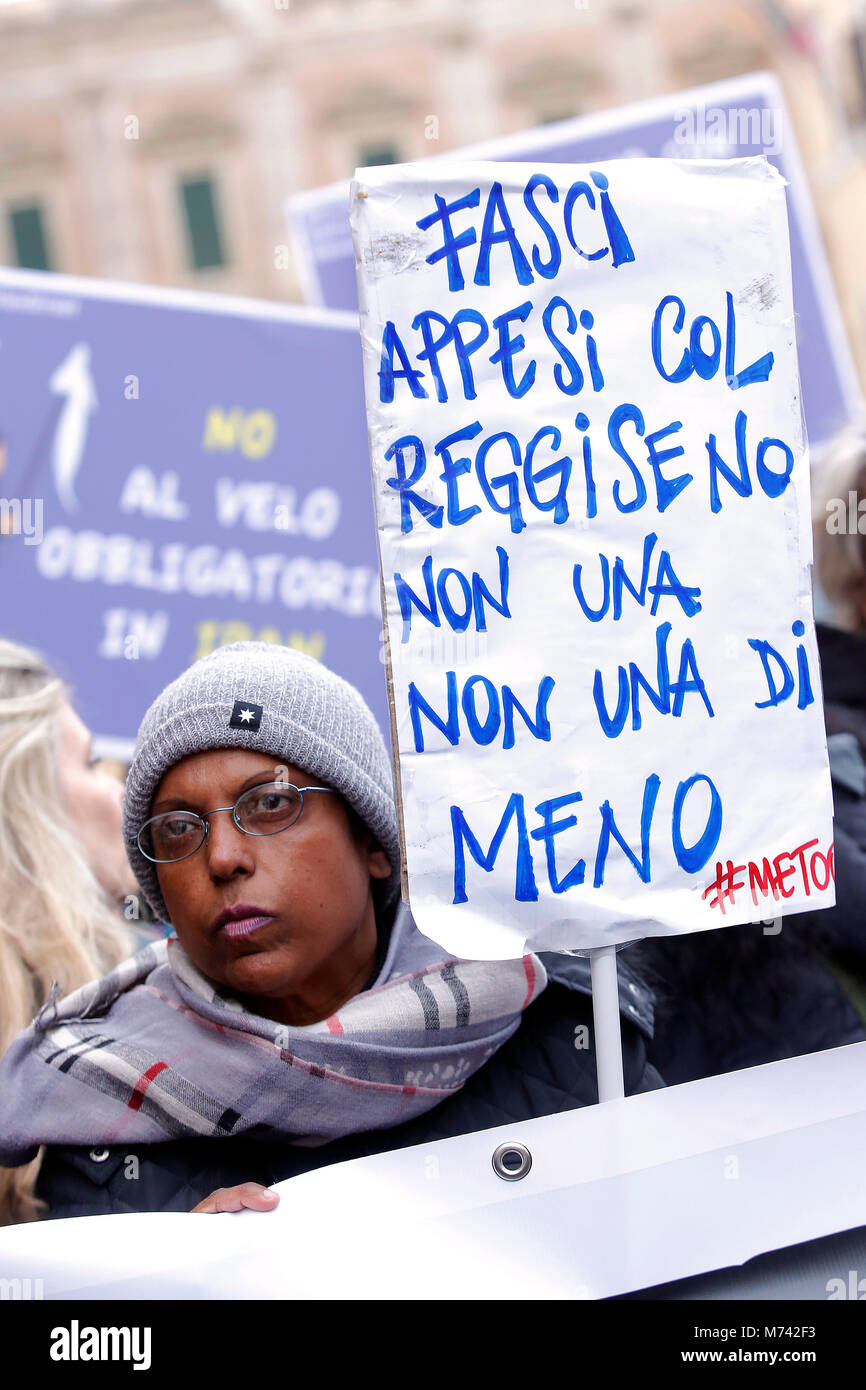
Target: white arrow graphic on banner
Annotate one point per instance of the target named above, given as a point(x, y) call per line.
point(72, 379)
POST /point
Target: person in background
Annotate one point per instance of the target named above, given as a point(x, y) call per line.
point(63, 869)
point(840, 563)
point(740, 996)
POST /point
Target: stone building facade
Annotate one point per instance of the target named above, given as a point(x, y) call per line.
point(156, 140)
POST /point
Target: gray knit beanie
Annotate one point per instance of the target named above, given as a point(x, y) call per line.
point(272, 700)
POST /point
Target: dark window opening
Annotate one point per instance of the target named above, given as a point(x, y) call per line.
point(28, 237)
point(371, 155)
point(204, 240)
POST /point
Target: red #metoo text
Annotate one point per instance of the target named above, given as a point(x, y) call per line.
point(808, 870)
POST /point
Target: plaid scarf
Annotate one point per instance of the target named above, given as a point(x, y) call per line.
point(155, 1051)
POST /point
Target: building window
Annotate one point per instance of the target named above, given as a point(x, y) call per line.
point(371, 155)
point(204, 241)
point(28, 238)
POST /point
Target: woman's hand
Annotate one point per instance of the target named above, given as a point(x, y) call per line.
point(246, 1195)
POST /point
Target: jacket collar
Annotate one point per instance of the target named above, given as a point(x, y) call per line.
point(847, 767)
point(636, 1000)
point(843, 657)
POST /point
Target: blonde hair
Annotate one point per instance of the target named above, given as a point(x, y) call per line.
point(56, 921)
point(840, 551)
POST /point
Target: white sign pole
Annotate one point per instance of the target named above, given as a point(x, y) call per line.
point(605, 1014)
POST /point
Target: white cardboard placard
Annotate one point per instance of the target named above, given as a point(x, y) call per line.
point(592, 494)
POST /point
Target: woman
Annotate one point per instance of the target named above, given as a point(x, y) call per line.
point(62, 863)
point(299, 1017)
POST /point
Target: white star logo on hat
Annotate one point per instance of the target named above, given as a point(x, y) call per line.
point(246, 714)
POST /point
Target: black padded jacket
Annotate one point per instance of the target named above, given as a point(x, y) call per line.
point(743, 996)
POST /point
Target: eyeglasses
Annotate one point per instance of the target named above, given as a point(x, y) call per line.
point(264, 810)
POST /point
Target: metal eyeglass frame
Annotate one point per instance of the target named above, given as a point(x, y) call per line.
point(204, 817)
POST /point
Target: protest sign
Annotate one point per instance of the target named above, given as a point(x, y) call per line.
point(744, 115)
point(181, 471)
point(592, 496)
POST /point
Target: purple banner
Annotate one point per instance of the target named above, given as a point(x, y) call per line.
point(179, 472)
point(746, 116)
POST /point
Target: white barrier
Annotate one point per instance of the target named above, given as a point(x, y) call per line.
point(619, 1197)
